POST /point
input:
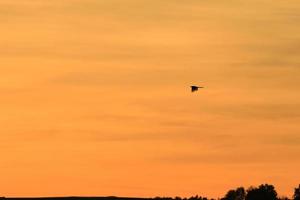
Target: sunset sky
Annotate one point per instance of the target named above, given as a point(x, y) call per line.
point(95, 97)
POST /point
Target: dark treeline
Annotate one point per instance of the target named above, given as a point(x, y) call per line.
point(262, 192)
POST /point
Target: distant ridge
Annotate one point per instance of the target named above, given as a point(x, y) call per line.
point(74, 198)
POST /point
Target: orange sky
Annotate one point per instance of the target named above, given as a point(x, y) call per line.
point(95, 98)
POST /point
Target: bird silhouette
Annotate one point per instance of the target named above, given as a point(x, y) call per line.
point(195, 88)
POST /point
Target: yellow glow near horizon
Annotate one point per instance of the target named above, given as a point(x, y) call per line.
point(95, 97)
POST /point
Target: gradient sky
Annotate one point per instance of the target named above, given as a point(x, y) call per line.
point(95, 96)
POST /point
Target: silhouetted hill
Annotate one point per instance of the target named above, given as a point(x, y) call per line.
point(76, 198)
point(262, 192)
point(102, 198)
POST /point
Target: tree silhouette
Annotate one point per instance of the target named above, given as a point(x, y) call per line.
point(263, 192)
point(283, 198)
point(297, 193)
point(238, 194)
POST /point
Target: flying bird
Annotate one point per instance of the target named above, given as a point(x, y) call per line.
point(195, 88)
